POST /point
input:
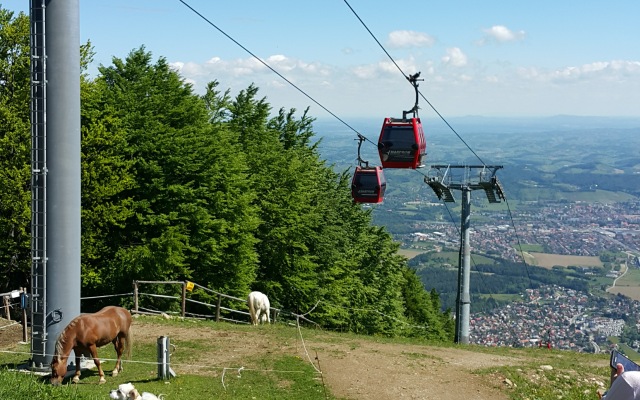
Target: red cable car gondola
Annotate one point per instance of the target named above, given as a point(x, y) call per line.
point(368, 185)
point(401, 143)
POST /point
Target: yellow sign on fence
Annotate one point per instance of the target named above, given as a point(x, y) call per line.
point(189, 286)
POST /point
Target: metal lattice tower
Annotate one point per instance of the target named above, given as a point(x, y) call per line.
point(38, 179)
point(442, 184)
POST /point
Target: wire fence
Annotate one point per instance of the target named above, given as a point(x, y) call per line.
point(195, 300)
point(168, 298)
point(226, 308)
point(184, 299)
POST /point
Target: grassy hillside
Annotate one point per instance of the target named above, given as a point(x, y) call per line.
point(281, 361)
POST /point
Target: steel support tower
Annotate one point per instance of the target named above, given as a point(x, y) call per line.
point(442, 184)
point(55, 173)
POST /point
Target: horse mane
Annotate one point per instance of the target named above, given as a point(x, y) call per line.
point(62, 339)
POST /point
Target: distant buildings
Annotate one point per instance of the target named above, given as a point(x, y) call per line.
point(564, 318)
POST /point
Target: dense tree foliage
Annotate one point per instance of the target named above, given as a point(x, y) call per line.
point(218, 190)
point(15, 151)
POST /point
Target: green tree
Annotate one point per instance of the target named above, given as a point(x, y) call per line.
point(106, 173)
point(423, 309)
point(286, 191)
point(15, 151)
point(317, 249)
point(189, 210)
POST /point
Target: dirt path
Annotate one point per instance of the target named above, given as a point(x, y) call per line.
point(352, 368)
point(391, 371)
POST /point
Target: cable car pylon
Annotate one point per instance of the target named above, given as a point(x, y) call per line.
point(442, 184)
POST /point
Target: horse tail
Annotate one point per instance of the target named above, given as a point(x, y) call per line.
point(252, 307)
point(128, 342)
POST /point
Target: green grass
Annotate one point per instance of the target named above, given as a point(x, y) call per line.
point(535, 248)
point(237, 385)
point(574, 376)
point(631, 278)
point(451, 257)
point(273, 374)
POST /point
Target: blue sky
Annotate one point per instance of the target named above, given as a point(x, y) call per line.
point(488, 58)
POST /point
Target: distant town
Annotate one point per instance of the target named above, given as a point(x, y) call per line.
point(578, 229)
point(552, 316)
point(576, 197)
point(555, 317)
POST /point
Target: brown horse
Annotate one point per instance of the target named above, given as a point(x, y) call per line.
point(85, 333)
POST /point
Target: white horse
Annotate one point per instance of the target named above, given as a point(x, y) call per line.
point(258, 308)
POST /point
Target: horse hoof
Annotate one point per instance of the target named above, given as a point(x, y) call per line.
point(75, 379)
point(114, 373)
point(102, 381)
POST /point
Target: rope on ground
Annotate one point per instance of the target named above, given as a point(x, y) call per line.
point(305, 347)
point(8, 325)
point(324, 386)
point(155, 363)
point(225, 370)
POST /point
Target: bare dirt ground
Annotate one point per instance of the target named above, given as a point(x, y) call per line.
point(352, 368)
point(10, 333)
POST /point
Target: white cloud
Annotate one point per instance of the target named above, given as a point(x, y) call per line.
point(501, 34)
point(364, 71)
point(616, 70)
point(378, 88)
point(217, 68)
point(386, 69)
point(402, 39)
point(455, 57)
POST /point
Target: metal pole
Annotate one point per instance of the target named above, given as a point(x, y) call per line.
point(459, 289)
point(23, 306)
point(442, 188)
point(63, 179)
point(465, 298)
point(164, 358)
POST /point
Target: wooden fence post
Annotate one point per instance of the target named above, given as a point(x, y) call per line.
point(5, 300)
point(184, 298)
point(135, 296)
point(218, 308)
